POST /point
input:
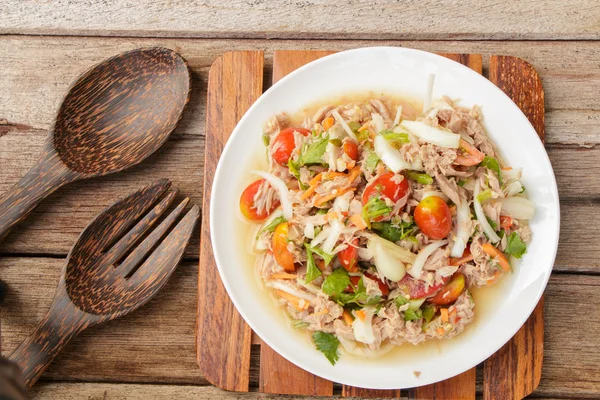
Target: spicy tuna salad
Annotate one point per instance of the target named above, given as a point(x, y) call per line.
point(373, 222)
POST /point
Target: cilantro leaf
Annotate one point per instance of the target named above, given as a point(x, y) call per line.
point(492, 163)
point(422, 178)
point(393, 233)
point(335, 283)
point(374, 208)
point(392, 136)
point(428, 312)
point(412, 315)
point(294, 168)
point(461, 183)
point(325, 256)
point(271, 225)
point(327, 343)
point(515, 246)
point(312, 271)
point(313, 153)
point(372, 160)
point(358, 299)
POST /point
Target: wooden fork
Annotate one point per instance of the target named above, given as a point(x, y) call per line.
point(113, 268)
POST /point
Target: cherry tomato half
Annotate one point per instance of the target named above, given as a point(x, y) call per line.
point(449, 293)
point(385, 290)
point(385, 185)
point(349, 257)
point(351, 149)
point(433, 217)
point(284, 144)
point(280, 250)
point(247, 203)
point(416, 288)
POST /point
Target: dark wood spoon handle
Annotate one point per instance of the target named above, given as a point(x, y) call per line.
point(62, 323)
point(47, 175)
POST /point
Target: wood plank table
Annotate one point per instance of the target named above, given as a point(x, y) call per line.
point(45, 45)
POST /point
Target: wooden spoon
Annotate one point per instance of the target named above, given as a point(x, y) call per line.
point(110, 271)
point(114, 116)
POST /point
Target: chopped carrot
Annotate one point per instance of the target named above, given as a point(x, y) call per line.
point(351, 164)
point(322, 200)
point(440, 331)
point(497, 256)
point(322, 312)
point(320, 263)
point(358, 221)
point(295, 301)
point(284, 275)
point(360, 314)
point(444, 314)
point(506, 168)
point(328, 123)
point(353, 174)
point(452, 311)
point(347, 318)
point(466, 257)
point(334, 174)
point(312, 185)
point(316, 179)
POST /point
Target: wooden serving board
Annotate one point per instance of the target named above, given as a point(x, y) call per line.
point(223, 338)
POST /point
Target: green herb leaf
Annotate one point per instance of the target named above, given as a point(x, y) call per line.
point(515, 246)
point(312, 271)
point(372, 160)
point(492, 163)
point(493, 224)
point(335, 283)
point(393, 233)
point(327, 343)
point(400, 301)
point(392, 136)
point(325, 256)
point(461, 183)
point(271, 225)
point(428, 312)
point(484, 196)
point(313, 153)
point(354, 126)
point(374, 208)
point(421, 178)
point(298, 324)
point(412, 315)
point(294, 167)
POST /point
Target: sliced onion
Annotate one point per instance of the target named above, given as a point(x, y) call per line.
point(334, 235)
point(417, 267)
point(429, 92)
point(363, 330)
point(389, 258)
point(309, 230)
point(342, 203)
point(429, 193)
point(510, 174)
point(365, 254)
point(344, 125)
point(283, 191)
point(324, 234)
point(463, 217)
point(398, 115)
point(378, 122)
point(487, 228)
point(390, 156)
point(513, 188)
point(290, 290)
point(517, 207)
point(427, 133)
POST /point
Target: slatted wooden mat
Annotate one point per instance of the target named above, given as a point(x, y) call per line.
point(224, 339)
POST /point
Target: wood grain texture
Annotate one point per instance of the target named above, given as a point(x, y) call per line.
point(156, 343)
point(235, 82)
point(515, 370)
point(309, 19)
point(95, 286)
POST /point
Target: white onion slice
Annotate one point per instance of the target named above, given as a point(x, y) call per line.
point(510, 174)
point(427, 133)
point(324, 234)
point(334, 235)
point(463, 217)
point(309, 230)
point(429, 92)
point(429, 193)
point(487, 228)
point(378, 122)
point(517, 207)
point(389, 258)
point(398, 116)
point(363, 330)
point(344, 125)
point(283, 191)
point(513, 188)
point(390, 156)
point(290, 290)
point(417, 267)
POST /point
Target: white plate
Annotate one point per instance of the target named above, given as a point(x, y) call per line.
point(399, 71)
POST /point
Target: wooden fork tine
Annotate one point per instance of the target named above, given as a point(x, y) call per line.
point(162, 262)
point(141, 251)
point(125, 243)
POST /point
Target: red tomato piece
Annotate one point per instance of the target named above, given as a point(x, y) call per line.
point(449, 293)
point(284, 144)
point(349, 257)
point(385, 185)
point(385, 290)
point(247, 203)
point(433, 217)
point(416, 288)
point(280, 250)
point(351, 149)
